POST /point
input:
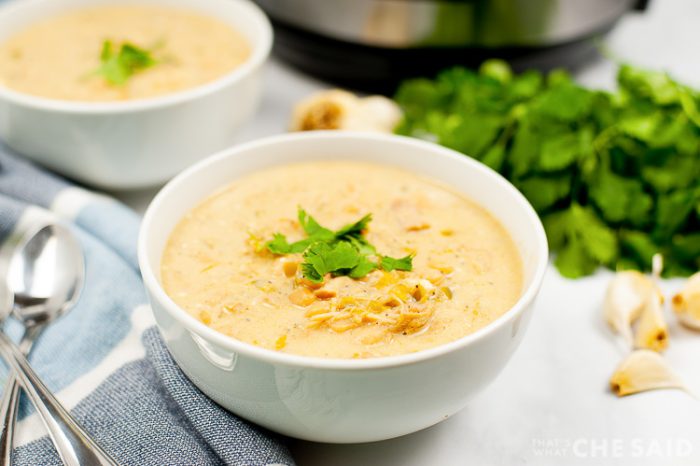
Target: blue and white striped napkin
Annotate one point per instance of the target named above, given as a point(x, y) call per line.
point(105, 359)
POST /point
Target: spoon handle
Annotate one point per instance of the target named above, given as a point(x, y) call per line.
point(10, 399)
point(74, 445)
point(8, 417)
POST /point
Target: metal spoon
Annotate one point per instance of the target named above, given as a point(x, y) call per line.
point(50, 256)
point(45, 274)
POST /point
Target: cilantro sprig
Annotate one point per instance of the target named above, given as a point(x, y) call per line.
point(615, 177)
point(342, 252)
point(118, 64)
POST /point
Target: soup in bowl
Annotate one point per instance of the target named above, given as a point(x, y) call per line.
point(124, 95)
point(119, 52)
point(424, 266)
point(341, 287)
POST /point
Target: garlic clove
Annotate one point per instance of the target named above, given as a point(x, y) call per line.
point(379, 114)
point(324, 110)
point(686, 304)
point(624, 301)
point(652, 330)
point(641, 371)
point(341, 110)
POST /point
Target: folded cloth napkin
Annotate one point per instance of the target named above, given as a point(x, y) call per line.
point(105, 359)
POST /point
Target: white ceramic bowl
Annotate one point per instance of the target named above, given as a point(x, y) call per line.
point(139, 143)
point(341, 400)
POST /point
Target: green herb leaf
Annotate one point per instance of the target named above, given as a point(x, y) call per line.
point(278, 244)
point(363, 267)
point(545, 192)
point(311, 226)
point(117, 67)
point(328, 258)
point(620, 199)
point(354, 229)
point(390, 263)
point(639, 247)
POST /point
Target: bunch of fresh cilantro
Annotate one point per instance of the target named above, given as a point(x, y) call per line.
point(615, 177)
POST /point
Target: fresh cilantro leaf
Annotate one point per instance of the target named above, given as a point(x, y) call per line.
point(362, 245)
point(363, 267)
point(643, 127)
point(666, 170)
point(559, 152)
point(556, 225)
point(639, 246)
point(599, 240)
point(687, 248)
point(328, 258)
point(545, 192)
point(620, 199)
point(581, 239)
point(496, 69)
point(565, 102)
point(300, 246)
point(574, 261)
point(525, 150)
point(310, 273)
point(354, 229)
point(389, 263)
point(655, 85)
point(311, 226)
point(495, 157)
point(117, 67)
point(673, 211)
point(278, 244)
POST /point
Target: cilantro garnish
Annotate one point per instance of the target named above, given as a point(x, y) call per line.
point(342, 252)
point(389, 263)
point(117, 66)
point(615, 177)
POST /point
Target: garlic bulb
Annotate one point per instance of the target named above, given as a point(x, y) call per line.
point(625, 298)
point(338, 109)
point(641, 371)
point(686, 304)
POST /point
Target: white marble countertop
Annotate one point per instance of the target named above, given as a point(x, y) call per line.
point(550, 406)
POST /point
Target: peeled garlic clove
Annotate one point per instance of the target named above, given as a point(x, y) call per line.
point(641, 371)
point(378, 114)
point(652, 330)
point(338, 109)
point(624, 300)
point(686, 304)
point(324, 110)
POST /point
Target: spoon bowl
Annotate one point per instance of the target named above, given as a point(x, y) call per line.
point(45, 274)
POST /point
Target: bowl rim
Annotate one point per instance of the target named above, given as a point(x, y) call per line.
point(157, 293)
point(260, 50)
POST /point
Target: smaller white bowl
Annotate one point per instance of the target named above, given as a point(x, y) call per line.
point(341, 400)
point(139, 143)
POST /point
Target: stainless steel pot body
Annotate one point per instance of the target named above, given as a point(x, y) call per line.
point(450, 23)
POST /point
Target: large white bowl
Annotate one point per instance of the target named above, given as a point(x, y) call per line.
point(139, 143)
point(341, 400)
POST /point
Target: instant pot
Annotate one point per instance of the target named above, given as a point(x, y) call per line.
point(373, 44)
